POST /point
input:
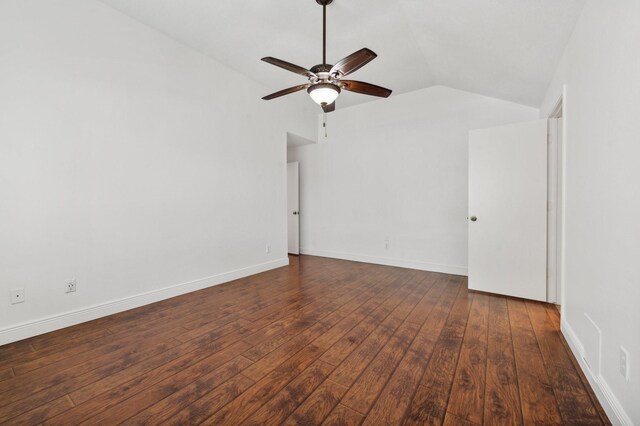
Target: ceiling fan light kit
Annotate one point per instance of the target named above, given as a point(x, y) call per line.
point(324, 93)
point(325, 80)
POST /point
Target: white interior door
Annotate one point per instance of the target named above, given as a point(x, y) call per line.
point(508, 210)
point(293, 213)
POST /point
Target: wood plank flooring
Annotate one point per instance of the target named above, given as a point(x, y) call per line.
point(322, 341)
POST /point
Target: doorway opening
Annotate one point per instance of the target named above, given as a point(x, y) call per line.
point(555, 203)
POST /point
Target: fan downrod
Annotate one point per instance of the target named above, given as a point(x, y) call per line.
point(324, 2)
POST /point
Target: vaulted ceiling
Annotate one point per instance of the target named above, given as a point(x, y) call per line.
point(502, 48)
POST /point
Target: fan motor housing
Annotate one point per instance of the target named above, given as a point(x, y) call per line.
point(321, 68)
point(324, 2)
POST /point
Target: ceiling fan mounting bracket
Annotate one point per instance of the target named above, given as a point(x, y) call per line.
point(324, 2)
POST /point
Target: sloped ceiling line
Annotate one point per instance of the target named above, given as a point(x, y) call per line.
point(501, 48)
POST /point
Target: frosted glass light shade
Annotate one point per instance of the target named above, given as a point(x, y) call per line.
point(324, 93)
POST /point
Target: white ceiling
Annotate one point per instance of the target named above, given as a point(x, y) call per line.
point(502, 48)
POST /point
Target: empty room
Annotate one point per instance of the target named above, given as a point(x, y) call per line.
point(319, 212)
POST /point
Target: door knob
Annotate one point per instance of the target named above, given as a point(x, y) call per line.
point(473, 218)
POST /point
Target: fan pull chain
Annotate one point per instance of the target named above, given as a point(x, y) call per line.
point(324, 124)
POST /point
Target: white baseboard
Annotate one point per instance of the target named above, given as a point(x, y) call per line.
point(608, 400)
point(66, 319)
point(402, 263)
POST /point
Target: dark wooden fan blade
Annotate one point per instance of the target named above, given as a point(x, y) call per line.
point(329, 108)
point(365, 88)
point(288, 66)
point(285, 92)
point(354, 62)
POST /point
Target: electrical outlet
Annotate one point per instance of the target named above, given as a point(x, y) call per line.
point(268, 248)
point(386, 243)
point(71, 286)
point(17, 296)
point(624, 363)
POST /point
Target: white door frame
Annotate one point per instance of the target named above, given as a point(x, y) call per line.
point(556, 223)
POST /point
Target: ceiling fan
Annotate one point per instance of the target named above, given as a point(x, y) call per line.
point(325, 80)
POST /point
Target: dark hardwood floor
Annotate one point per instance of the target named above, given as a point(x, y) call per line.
point(320, 342)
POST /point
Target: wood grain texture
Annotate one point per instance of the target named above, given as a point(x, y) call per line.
point(539, 405)
point(428, 407)
point(289, 399)
point(391, 405)
point(318, 406)
point(7, 373)
point(574, 401)
point(467, 392)
point(322, 341)
point(187, 395)
point(343, 416)
point(502, 400)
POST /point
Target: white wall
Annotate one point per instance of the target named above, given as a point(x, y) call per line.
point(601, 69)
point(128, 162)
point(396, 168)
